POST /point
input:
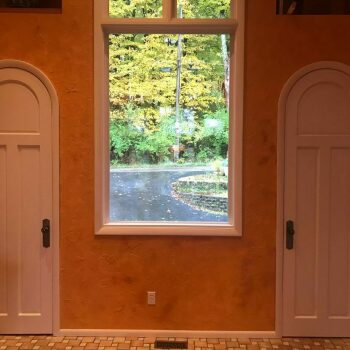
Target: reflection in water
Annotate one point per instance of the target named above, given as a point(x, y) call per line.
point(146, 196)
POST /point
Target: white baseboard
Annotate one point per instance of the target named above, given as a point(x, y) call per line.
point(165, 333)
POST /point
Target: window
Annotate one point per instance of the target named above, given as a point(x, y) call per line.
point(168, 116)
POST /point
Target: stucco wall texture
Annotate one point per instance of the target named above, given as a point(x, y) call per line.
point(201, 283)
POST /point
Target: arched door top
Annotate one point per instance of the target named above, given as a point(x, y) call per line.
point(8, 63)
point(288, 86)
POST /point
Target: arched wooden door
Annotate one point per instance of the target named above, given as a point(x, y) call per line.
point(26, 207)
point(316, 263)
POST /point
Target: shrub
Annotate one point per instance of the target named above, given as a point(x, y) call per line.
point(131, 140)
point(211, 138)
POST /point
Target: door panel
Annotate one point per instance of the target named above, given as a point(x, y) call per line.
point(338, 284)
point(29, 237)
point(326, 101)
point(316, 273)
point(18, 116)
point(306, 226)
point(25, 200)
point(3, 250)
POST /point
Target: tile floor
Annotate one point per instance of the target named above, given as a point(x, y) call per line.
point(138, 343)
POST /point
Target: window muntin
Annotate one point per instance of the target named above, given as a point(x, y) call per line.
point(104, 24)
point(135, 9)
point(168, 92)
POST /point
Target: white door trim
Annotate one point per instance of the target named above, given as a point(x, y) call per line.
point(280, 177)
point(9, 63)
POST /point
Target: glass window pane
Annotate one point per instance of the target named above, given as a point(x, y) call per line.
point(203, 8)
point(169, 97)
point(135, 8)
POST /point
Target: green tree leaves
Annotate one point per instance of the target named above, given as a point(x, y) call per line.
point(135, 8)
point(142, 94)
point(205, 8)
point(153, 8)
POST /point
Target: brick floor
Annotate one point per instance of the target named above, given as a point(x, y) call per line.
point(139, 343)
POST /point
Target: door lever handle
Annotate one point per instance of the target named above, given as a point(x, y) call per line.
point(290, 234)
point(46, 233)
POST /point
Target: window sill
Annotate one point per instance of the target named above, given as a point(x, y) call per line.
point(166, 229)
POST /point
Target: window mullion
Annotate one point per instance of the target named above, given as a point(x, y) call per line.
point(169, 9)
point(174, 26)
point(233, 6)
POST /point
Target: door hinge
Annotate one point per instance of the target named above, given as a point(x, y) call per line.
point(46, 233)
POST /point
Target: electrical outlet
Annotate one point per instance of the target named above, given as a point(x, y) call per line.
point(151, 298)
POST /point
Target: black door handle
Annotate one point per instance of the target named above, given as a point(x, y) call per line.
point(290, 234)
point(46, 233)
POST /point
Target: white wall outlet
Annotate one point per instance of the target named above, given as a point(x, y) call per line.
point(151, 298)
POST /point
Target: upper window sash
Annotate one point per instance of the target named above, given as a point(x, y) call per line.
point(169, 23)
point(169, 17)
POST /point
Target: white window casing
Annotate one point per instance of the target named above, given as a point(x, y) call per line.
point(168, 24)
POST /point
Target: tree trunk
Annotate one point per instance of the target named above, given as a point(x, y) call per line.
point(226, 59)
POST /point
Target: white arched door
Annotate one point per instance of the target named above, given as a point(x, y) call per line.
point(25, 202)
point(316, 263)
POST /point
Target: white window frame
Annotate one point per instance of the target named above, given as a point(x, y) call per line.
point(104, 25)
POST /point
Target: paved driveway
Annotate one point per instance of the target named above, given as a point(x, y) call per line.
point(145, 195)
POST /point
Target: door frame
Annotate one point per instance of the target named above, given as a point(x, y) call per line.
point(9, 63)
point(287, 88)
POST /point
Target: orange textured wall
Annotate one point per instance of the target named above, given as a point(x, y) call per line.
point(201, 283)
